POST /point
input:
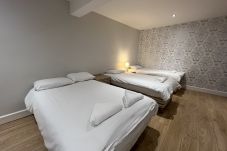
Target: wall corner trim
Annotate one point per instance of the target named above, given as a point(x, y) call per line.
point(215, 92)
point(13, 116)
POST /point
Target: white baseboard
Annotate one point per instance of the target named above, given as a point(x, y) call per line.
point(13, 116)
point(220, 93)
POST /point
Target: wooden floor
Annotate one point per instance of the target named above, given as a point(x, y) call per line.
point(192, 122)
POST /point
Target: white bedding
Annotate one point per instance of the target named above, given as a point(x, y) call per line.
point(165, 89)
point(104, 110)
point(173, 74)
point(63, 116)
point(131, 97)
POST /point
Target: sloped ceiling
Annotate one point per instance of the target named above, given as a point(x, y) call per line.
point(146, 14)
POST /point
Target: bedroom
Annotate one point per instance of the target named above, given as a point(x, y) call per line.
point(173, 54)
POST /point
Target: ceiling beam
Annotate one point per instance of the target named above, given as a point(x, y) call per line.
point(80, 8)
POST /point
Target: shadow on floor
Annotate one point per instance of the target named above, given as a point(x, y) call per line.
point(169, 111)
point(148, 140)
point(180, 92)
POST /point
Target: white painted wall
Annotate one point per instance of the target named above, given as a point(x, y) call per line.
point(40, 39)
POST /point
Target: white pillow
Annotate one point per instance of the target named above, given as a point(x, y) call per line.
point(51, 83)
point(115, 71)
point(80, 76)
point(136, 67)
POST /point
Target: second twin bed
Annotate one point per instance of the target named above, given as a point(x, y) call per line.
point(158, 84)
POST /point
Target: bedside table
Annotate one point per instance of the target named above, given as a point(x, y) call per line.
point(102, 78)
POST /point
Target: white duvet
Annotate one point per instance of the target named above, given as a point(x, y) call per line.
point(165, 89)
point(63, 116)
point(173, 74)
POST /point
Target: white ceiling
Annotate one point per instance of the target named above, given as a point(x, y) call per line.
point(146, 14)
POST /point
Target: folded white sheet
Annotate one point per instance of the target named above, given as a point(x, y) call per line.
point(104, 110)
point(160, 78)
point(173, 74)
point(131, 97)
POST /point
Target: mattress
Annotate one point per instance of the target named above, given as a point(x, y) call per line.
point(63, 116)
point(172, 74)
point(146, 84)
point(146, 91)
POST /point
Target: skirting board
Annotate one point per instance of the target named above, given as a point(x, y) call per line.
point(220, 93)
point(13, 116)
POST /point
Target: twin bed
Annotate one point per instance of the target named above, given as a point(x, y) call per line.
point(63, 117)
point(159, 88)
point(67, 108)
point(157, 84)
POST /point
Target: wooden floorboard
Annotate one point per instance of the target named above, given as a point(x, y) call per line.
point(193, 121)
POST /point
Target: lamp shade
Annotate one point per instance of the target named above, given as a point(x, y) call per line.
point(127, 64)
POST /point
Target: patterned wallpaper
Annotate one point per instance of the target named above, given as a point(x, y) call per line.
point(198, 48)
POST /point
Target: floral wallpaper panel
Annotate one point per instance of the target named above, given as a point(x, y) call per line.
point(199, 48)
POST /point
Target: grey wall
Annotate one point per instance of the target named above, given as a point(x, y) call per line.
point(198, 48)
point(39, 39)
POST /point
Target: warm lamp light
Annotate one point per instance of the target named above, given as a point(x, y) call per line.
point(122, 58)
point(127, 65)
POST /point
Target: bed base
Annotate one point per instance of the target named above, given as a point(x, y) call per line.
point(154, 95)
point(128, 141)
